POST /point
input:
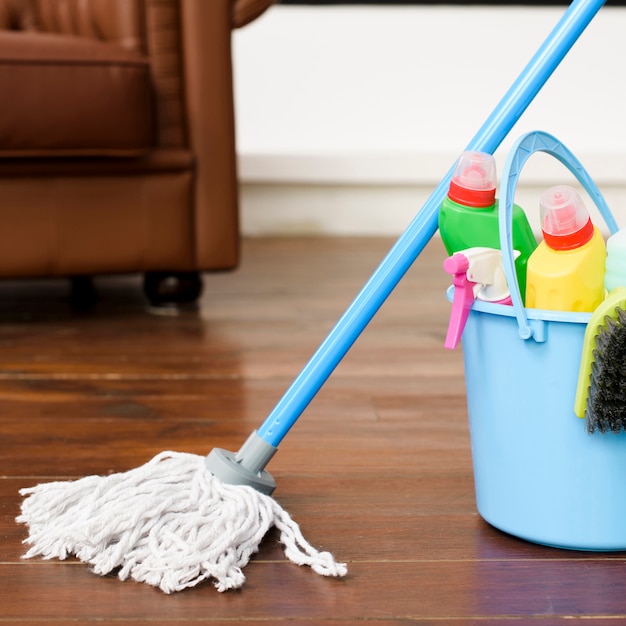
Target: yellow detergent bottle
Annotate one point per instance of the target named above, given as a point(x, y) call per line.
point(566, 270)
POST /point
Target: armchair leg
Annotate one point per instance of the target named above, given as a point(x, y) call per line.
point(172, 289)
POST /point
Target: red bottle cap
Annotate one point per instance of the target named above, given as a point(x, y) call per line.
point(565, 221)
point(474, 180)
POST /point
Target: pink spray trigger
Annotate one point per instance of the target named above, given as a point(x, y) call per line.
point(457, 265)
point(477, 274)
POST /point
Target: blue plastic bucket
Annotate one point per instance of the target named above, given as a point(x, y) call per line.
point(538, 474)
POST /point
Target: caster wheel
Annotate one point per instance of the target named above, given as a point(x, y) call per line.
point(172, 289)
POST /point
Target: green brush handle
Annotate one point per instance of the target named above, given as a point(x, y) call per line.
point(616, 299)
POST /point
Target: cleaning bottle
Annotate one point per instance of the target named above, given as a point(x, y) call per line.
point(468, 216)
point(477, 274)
point(615, 266)
point(566, 271)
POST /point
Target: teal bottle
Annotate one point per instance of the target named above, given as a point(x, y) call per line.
point(468, 216)
point(615, 264)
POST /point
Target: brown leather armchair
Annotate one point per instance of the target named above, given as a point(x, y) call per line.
point(117, 144)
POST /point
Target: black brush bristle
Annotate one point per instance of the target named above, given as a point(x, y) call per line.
point(606, 404)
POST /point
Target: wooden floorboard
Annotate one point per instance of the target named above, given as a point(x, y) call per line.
point(378, 469)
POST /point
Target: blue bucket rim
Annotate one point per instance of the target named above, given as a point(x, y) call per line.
point(507, 310)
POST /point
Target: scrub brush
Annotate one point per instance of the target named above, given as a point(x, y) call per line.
point(601, 389)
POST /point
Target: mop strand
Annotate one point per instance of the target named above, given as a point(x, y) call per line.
point(169, 523)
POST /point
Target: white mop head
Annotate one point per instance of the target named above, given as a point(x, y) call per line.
point(169, 523)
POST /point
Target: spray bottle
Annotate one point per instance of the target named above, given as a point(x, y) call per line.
point(477, 274)
point(468, 217)
point(566, 271)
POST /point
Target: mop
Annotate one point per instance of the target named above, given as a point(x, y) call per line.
point(181, 518)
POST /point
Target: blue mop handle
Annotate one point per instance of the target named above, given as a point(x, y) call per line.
point(423, 226)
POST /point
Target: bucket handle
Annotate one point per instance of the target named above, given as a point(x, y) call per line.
point(523, 148)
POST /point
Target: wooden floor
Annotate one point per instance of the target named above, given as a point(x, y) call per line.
point(377, 470)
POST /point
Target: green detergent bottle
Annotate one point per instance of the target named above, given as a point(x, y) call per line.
point(468, 217)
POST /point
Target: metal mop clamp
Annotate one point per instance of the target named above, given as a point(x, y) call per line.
point(180, 518)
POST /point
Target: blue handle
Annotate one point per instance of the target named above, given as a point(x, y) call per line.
point(521, 151)
point(423, 226)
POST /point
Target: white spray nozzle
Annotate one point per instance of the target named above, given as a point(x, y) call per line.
point(477, 273)
point(485, 268)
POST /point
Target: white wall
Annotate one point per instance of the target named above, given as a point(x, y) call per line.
point(348, 117)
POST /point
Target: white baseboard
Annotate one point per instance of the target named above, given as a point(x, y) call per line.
point(379, 196)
